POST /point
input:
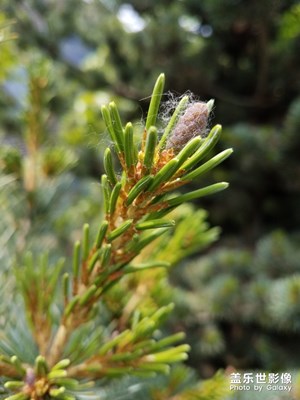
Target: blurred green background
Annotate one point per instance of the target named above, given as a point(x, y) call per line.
point(239, 300)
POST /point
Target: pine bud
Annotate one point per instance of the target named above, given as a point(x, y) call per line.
point(30, 377)
point(192, 123)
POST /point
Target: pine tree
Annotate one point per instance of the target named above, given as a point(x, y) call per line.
point(72, 324)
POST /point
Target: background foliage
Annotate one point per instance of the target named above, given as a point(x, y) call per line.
point(60, 61)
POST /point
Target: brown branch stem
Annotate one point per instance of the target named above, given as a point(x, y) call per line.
point(58, 344)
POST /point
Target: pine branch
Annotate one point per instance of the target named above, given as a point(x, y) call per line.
point(136, 208)
point(127, 203)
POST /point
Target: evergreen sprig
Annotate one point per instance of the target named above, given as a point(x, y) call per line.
point(136, 206)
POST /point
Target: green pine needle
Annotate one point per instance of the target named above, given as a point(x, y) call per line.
point(151, 142)
point(108, 166)
point(155, 101)
point(206, 191)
